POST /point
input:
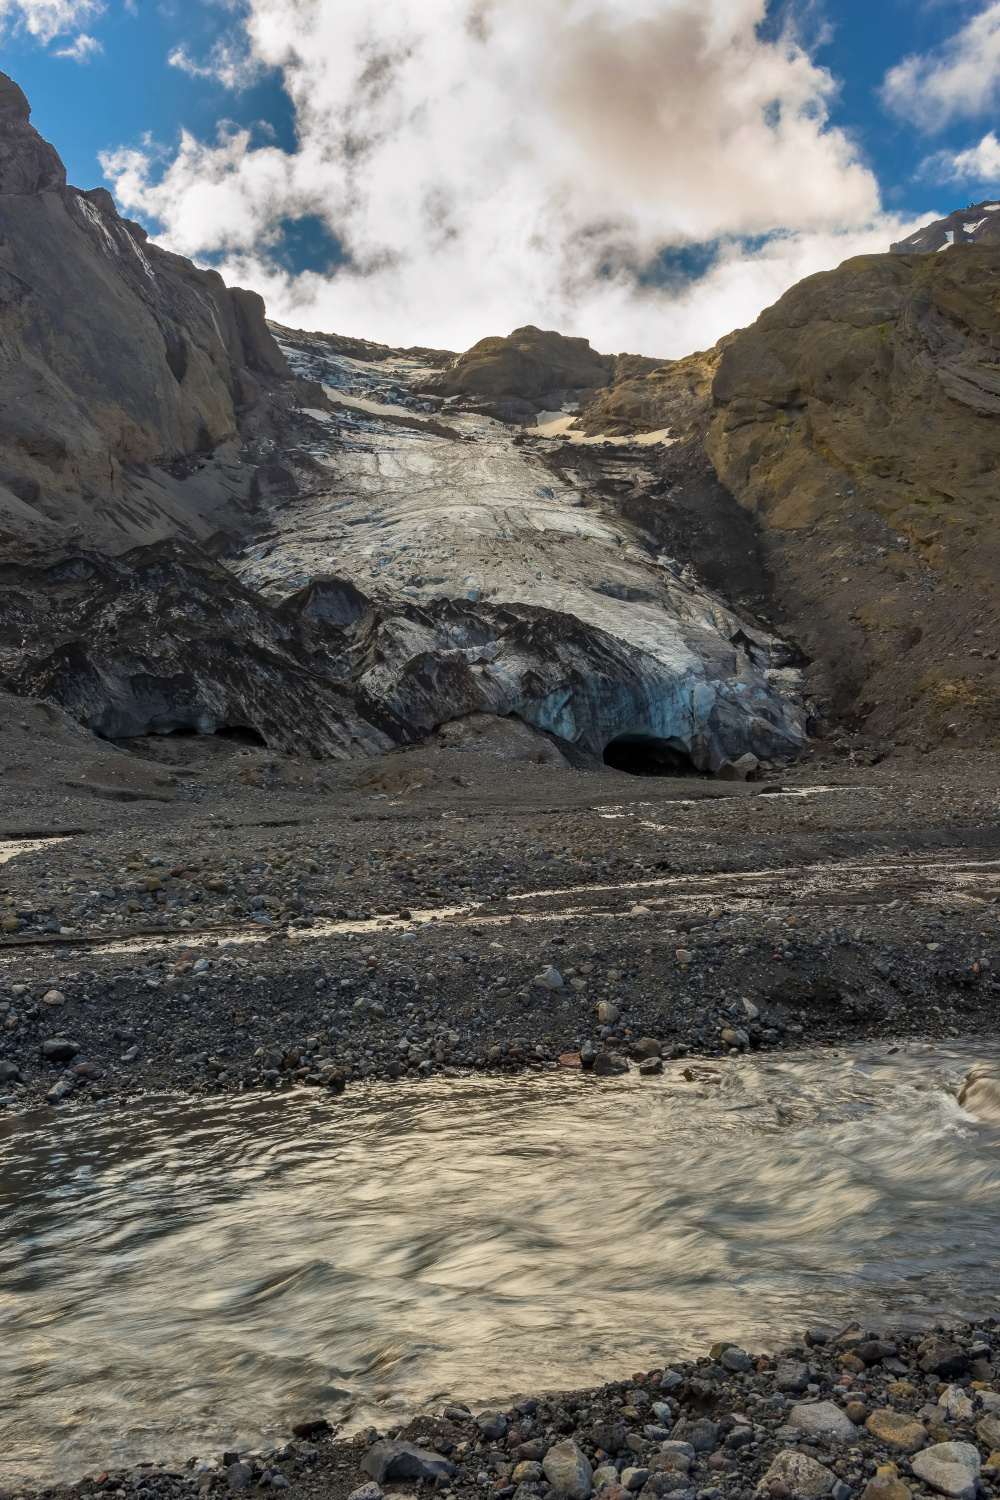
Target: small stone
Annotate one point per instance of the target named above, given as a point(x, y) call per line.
point(950, 1468)
point(802, 1474)
point(735, 1038)
point(791, 1376)
point(956, 1403)
point(238, 1476)
point(11, 924)
point(675, 1449)
point(735, 1360)
point(650, 1067)
point(684, 955)
point(607, 1013)
point(825, 1420)
point(944, 1359)
point(551, 979)
point(897, 1430)
point(568, 1470)
point(634, 1478)
point(588, 1054)
point(570, 1060)
point(738, 770)
point(702, 1435)
point(857, 1412)
point(886, 1487)
point(606, 1064)
point(526, 1472)
point(312, 1427)
point(902, 1390)
point(604, 1474)
point(8, 1071)
point(852, 1362)
point(60, 1049)
point(646, 1046)
point(492, 1424)
point(53, 997)
point(988, 1431)
point(674, 1482)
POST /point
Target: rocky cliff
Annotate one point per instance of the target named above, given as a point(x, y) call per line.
point(125, 371)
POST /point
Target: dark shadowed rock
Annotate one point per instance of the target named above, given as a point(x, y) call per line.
point(389, 1460)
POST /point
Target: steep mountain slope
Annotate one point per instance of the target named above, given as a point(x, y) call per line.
point(855, 423)
point(129, 379)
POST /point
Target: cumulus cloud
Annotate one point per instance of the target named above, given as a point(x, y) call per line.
point(46, 19)
point(979, 163)
point(477, 164)
point(960, 79)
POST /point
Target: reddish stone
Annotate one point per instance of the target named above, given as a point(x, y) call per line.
point(570, 1060)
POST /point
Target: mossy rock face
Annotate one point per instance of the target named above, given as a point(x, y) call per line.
point(893, 361)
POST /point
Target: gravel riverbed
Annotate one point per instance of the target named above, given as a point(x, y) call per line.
point(601, 918)
point(841, 1413)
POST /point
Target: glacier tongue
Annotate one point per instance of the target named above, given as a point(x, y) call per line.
point(581, 629)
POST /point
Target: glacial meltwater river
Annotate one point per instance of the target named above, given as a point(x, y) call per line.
point(180, 1278)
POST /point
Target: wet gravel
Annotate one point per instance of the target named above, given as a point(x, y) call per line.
point(372, 936)
point(842, 1412)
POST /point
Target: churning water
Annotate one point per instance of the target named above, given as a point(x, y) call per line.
point(185, 1278)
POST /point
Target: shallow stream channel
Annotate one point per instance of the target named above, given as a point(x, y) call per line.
point(177, 1278)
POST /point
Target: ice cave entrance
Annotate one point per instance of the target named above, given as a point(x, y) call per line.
point(639, 755)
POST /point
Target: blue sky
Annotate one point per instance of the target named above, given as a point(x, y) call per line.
point(118, 92)
point(129, 92)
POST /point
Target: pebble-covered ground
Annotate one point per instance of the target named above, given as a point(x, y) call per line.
point(315, 937)
point(844, 1413)
point(471, 908)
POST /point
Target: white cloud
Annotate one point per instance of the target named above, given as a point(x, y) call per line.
point(45, 19)
point(961, 78)
point(980, 163)
point(81, 49)
point(230, 63)
point(486, 163)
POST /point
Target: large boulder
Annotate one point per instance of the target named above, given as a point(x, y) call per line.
point(897, 1430)
point(388, 1460)
point(825, 1420)
point(568, 1470)
point(950, 1468)
point(802, 1474)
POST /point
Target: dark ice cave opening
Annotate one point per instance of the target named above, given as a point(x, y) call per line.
point(241, 734)
point(639, 756)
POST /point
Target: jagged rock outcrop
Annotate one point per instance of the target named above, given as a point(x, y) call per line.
point(979, 224)
point(515, 378)
point(115, 357)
